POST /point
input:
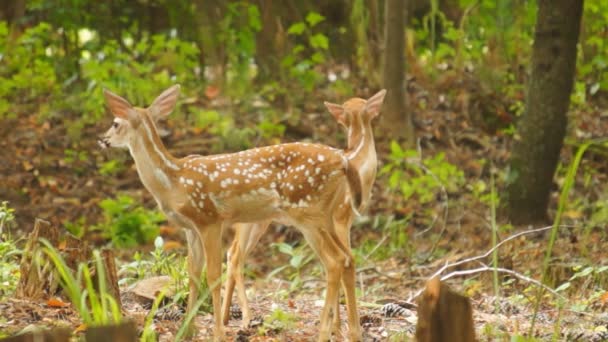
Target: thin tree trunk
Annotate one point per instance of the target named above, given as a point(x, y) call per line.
point(395, 118)
point(542, 129)
point(268, 55)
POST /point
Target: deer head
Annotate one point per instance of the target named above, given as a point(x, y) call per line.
point(128, 119)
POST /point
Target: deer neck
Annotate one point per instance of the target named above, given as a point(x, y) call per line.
point(155, 165)
point(362, 152)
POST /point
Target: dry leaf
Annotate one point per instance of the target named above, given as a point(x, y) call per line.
point(81, 328)
point(212, 92)
point(56, 303)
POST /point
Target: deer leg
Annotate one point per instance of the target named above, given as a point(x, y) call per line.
point(233, 255)
point(195, 257)
point(255, 233)
point(348, 278)
point(333, 260)
point(212, 237)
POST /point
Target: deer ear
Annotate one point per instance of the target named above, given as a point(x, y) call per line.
point(120, 107)
point(374, 103)
point(164, 103)
point(337, 111)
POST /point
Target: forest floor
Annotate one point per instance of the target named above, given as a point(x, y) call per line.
point(40, 180)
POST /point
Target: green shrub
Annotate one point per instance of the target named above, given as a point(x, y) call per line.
point(127, 224)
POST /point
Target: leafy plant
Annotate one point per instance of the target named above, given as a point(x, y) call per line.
point(421, 179)
point(311, 49)
point(7, 216)
point(299, 257)
point(127, 224)
point(238, 29)
point(27, 73)
point(394, 242)
point(161, 262)
point(9, 253)
point(278, 321)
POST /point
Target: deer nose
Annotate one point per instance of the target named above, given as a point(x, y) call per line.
point(103, 142)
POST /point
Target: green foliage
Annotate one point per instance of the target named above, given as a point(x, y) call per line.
point(9, 266)
point(127, 224)
point(421, 179)
point(299, 257)
point(395, 241)
point(593, 274)
point(270, 129)
point(238, 29)
point(93, 303)
point(7, 216)
point(27, 73)
point(137, 69)
point(593, 62)
point(311, 49)
point(278, 321)
point(9, 253)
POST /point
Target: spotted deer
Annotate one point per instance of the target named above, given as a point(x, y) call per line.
point(356, 116)
point(295, 184)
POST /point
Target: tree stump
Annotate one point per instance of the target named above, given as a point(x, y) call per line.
point(38, 277)
point(55, 335)
point(124, 332)
point(444, 315)
point(111, 277)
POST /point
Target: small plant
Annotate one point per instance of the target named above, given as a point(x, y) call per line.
point(395, 241)
point(7, 216)
point(128, 225)
point(278, 321)
point(160, 262)
point(238, 30)
point(298, 66)
point(9, 253)
point(421, 179)
point(94, 305)
point(9, 267)
point(299, 257)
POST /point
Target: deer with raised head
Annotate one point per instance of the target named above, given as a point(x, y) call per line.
point(356, 116)
point(295, 184)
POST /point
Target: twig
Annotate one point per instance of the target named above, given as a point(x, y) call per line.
point(486, 268)
point(384, 237)
point(485, 255)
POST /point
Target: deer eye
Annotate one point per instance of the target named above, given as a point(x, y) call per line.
point(115, 125)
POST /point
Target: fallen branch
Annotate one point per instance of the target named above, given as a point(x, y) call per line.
point(487, 268)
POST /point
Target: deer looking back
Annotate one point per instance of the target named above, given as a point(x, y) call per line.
point(295, 184)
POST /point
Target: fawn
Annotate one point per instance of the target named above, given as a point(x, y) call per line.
point(295, 184)
point(355, 115)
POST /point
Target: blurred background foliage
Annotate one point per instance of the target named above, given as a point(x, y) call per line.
point(58, 54)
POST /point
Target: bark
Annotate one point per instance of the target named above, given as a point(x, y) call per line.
point(12, 12)
point(395, 119)
point(444, 315)
point(268, 53)
point(542, 129)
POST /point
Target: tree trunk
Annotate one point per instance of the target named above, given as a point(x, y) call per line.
point(12, 12)
point(268, 54)
point(542, 128)
point(395, 119)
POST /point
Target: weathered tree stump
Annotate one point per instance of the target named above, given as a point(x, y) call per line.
point(55, 335)
point(111, 277)
point(38, 277)
point(125, 332)
point(444, 315)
